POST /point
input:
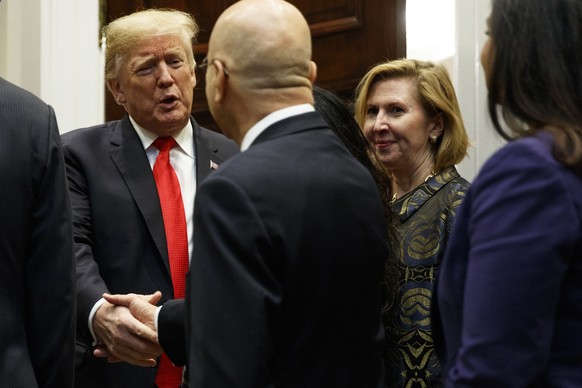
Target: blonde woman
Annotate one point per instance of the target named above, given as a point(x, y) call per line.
point(409, 113)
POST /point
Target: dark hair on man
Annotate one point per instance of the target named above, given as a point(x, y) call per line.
point(535, 81)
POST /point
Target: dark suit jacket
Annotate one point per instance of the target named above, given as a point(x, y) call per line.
point(37, 276)
point(509, 289)
point(284, 286)
point(120, 243)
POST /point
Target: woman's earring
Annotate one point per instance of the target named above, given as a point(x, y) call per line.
point(433, 139)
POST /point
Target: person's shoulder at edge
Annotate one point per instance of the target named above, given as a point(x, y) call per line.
point(95, 130)
point(525, 162)
point(526, 151)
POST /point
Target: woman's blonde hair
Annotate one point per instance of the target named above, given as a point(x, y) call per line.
point(435, 92)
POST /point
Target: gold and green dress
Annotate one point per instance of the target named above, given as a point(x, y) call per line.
point(425, 220)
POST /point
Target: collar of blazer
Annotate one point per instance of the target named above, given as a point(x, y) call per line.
point(294, 124)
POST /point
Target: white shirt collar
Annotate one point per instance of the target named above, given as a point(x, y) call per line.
point(183, 138)
point(270, 119)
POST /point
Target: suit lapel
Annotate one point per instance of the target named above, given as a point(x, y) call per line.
point(207, 158)
point(130, 158)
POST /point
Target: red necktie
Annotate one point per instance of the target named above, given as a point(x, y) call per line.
point(170, 376)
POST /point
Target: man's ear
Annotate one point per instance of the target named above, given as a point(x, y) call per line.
point(219, 82)
point(312, 71)
point(116, 91)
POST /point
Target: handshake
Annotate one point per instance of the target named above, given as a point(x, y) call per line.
point(125, 329)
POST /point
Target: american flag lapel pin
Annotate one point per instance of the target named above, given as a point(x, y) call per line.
point(213, 166)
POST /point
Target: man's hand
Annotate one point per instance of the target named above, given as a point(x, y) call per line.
point(124, 337)
point(142, 307)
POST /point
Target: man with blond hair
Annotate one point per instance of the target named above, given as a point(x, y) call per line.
point(132, 185)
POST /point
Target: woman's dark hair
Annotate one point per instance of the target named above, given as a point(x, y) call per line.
point(535, 78)
point(342, 122)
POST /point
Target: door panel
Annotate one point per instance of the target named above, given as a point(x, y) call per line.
point(348, 37)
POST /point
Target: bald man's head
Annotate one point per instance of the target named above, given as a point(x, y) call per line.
point(267, 43)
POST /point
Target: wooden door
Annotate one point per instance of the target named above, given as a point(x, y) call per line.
point(349, 36)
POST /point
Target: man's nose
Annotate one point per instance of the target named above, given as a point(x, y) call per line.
point(165, 77)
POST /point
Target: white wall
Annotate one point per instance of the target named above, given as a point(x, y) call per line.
point(20, 35)
point(51, 48)
point(452, 32)
point(469, 81)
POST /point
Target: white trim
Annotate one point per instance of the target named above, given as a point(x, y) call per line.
point(51, 48)
point(470, 85)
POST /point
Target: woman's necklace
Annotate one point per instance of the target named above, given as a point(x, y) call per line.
point(394, 198)
point(395, 195)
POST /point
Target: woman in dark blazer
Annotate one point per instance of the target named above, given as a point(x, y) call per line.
point(509, 289)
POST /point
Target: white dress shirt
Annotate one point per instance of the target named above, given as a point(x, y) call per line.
point(183, 161)
point(270, 119)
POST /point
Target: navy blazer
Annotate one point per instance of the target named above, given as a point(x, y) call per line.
point(509, 289)
point(284, 286)
point(120, 243)
point(37, 279)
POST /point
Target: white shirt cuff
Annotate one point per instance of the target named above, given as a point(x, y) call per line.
point(157, 313)
point(91, 315)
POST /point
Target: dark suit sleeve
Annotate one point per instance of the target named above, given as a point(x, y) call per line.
point(172, 332)
point(231, 290)
point(515, 268)
point(50, 269)
point(211, 146)
point(90, 285)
